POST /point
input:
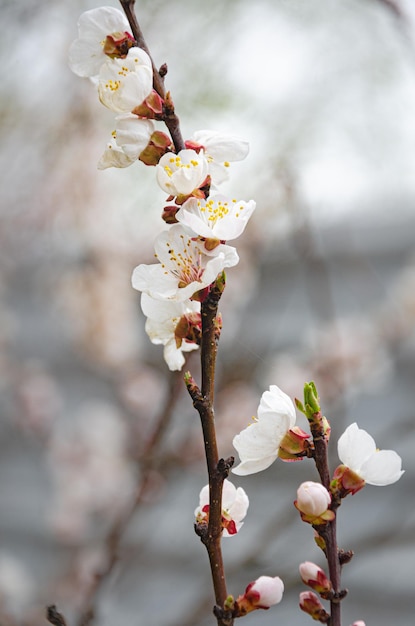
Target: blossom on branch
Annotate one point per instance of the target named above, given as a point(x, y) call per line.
point(165, 320)
point(313, 501)
point(220, 150)
point(217, 219)
point(96, 29)
point(184, 267)
point(310, 603)
point(235, 505)
point(262, 593)
point(315, 577)
point(357, 451)
point(258, 444)
point(125, 83)
point(181, 174)
point(130, 137)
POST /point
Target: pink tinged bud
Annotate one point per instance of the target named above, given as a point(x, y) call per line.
point(309, 603)
point(314, 577)
point(118, 44)
point(294, 444)
point(313, 501)
point(358, 623)
point(151, 108)
point(263, 593)
point(346, 481)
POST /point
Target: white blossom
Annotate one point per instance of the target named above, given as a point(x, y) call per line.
point(162, 319)
point(183, 267)
point(86, 54)
point(220, 150)
point(357, 450)
point(130, 137)
point(235, 505)
point(217, 217)
point(258, 444)
point(125, 83)
point(182, 173)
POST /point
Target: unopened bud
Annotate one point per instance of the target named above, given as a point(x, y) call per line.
point(313, 576)
point(309, 603)
point(313, 501)
point(264, 592)
point(294, 444)
point(346, 481)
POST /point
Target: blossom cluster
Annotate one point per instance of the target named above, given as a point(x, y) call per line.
point(193, 252)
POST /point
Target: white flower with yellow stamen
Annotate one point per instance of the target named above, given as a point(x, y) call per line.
point(220, 150)
point(125, 83)
point(180, 174)
point(217, 217)
point(184, 266)
point(130, 137)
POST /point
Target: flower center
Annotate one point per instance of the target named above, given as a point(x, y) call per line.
point(185, 262)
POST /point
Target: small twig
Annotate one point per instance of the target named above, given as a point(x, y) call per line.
point(54, 617)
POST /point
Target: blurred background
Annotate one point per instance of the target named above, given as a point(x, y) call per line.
point(325, 290)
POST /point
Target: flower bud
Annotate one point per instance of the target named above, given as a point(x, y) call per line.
point(314, 577)
point(294, 444)
point(346, 481)
point(358, 623)
point(309, 603)
point(313, 501)
point(264, 592)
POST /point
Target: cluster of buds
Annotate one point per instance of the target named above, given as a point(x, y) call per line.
point(193, 252)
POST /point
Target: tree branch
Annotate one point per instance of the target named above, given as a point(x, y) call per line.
point(170, 118)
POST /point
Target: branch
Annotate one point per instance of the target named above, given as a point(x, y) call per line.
point(170, 118)
point(218, 469)
point(54, 617)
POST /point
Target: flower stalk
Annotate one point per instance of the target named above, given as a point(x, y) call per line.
point(218, 469)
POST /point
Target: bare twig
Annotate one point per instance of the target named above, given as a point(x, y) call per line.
point(54, 617)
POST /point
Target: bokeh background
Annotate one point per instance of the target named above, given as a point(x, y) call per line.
point(325, 291)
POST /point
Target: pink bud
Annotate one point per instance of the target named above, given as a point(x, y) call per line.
point(264, 592)
point(309, 603)
point(359, 623)
point(312, 498)
point(314, 577)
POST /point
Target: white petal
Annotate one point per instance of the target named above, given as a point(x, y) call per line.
point(382, 468)
point(355, 446)
point(114, 156)
point(102, 21)
point(253, 466)
point(239, 507)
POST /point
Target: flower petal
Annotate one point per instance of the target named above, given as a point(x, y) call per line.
point(382, 468)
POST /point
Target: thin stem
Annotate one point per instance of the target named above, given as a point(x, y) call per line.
point(170, 118)
point(217, 468)
point(329, 533)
